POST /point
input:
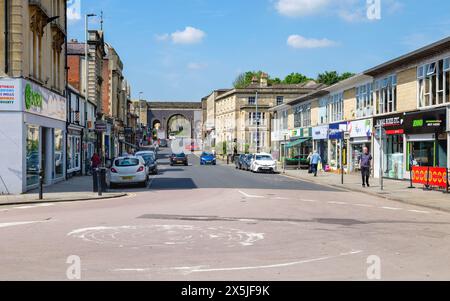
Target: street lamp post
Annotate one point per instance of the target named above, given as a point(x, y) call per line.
point(257, 124)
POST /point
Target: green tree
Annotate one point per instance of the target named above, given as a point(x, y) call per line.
point(332, 77)
point(296, 78)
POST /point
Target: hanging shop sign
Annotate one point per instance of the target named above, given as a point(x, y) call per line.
point(360, 128)
point(426, 122)
point(392, 124)
point(320, 132)
point(336, 131)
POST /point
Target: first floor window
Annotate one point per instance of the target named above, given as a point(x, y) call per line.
point(433, 81)
point(385, 91)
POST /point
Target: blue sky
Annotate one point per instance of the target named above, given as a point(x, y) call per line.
point(180, 50)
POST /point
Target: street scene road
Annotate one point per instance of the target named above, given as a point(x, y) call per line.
point(218, 223)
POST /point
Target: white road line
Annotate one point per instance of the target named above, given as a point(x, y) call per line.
point(273, 266)
point(391, 208)
point(251, 196)
point(363, 205)
point(5, 225)
point(337, 203)
point(419, 211)
point(308, 201)
point(33, 206)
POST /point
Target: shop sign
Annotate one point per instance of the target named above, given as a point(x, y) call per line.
point(360, 128)
point(41, 101)
point(336, 131)
point(302, 133)
point(320, 132)
point(9, 95)
point(393, 124)
point(100, 126)
point(426, 122)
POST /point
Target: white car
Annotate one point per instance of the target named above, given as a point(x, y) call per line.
point(263, 163)
point(146, 153)
point(127, 170)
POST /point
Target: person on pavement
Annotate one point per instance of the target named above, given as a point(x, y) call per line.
point(95, 161)
point(365, 162)
point(315, 160)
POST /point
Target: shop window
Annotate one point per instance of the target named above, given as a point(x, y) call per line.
point(33, 155)
point(59, 154)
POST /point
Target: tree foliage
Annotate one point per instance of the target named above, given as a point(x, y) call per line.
point(332, 77)
point(296, 78)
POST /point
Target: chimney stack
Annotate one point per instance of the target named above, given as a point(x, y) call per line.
point(264, 82)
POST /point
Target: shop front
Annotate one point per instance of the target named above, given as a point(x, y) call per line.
point(33, 131)
point(337, 145)
point(392, 135)
point(320, 142)
point(360, 137)
point(74, 150)
point(299, 147)
point(426, 138)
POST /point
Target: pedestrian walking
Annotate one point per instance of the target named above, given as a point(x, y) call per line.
point(365, 163)
point(308, 159)
point(95, 162)
point(315, 160)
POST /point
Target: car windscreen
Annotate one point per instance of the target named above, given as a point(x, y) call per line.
point(180, 155)
point(207, 155)
point(149, 159)
point(264, 158)
point(127, 162)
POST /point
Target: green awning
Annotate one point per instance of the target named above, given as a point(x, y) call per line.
point(297, 142)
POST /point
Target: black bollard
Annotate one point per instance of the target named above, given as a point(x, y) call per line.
point(41, 184)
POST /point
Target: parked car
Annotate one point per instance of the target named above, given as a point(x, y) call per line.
point(247, 162)
point(178, 159)
point(127, 170)
point(147, 154)
point(163, 143)
point(239, 161)
point(263, 163)
point(150, 161)
point(207, 158)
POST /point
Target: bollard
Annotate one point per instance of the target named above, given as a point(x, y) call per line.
point(411, 186)
point(41, 184)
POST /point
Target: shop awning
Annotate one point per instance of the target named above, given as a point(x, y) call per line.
point(297, 142)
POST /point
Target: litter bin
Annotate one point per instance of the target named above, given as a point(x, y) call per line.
point(99, 172)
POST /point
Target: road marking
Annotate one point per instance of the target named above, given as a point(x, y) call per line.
point(363, 205)
point(273, 266)
point(419, 211)
point(280, 198)
point(34, 206)
point(337, 203)
point(391, 208)
point(251, 196)
point(308, 201)
point(5, 225)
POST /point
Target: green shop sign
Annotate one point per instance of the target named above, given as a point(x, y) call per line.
point(33, 99)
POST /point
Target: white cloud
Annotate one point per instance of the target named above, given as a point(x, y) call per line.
point(162, 37)
point(300, 42)
point(189, 35)
point(196, 66)
point(295, 8)
point(347, 10)
point(74, 10)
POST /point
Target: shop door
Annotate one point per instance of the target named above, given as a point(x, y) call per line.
point(44, 151)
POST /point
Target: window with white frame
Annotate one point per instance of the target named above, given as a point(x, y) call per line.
point(364, 101)
point(434, 82)
point(323, 110)
point(284, 119)
point(336, 107)
point(254, 117)
point(385, 92)
point(302, 115)
point(280, 100)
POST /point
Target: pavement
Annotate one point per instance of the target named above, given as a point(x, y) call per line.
point(75, 189)
point(218, 223)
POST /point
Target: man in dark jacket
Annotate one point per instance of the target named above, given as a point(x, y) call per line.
point(365, 162)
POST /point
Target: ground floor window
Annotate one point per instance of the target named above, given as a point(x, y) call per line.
point(357, 151)
point(428, 153)
point(73, 153)
point(59, 153)
point(335, 153)
point(33, 155)
point(393, 162)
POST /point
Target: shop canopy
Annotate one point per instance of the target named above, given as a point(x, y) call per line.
point(297, 142)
